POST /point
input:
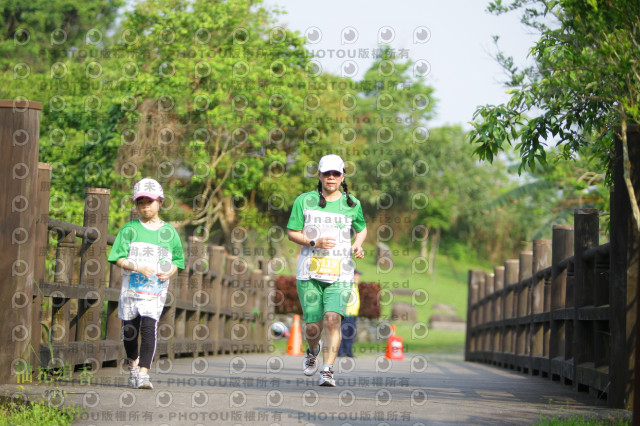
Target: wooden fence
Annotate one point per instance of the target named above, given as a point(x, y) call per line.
point(216, 305)
point(567, 309)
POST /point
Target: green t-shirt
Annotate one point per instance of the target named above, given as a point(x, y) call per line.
point(335, 221)
point(157, 249)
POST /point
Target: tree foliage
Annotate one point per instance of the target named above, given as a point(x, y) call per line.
point(37, 33)
point(585, 81)
point(218, 92)
point(231, 114)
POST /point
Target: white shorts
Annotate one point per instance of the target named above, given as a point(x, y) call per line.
point(131, 307)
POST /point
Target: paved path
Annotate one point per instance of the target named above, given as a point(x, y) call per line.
point(262, 389)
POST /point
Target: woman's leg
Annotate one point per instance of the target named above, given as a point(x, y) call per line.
point(331, 325)
point(310, 295)
point(343, 343)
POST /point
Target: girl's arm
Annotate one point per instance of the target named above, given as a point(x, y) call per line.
point(163, 276)
point(132, 266)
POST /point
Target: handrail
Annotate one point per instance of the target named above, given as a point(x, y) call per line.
point(81, 231)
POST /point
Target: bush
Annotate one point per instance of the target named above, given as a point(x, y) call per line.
point(369, 300)
point(287, 301)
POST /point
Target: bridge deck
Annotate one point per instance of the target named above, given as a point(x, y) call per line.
point(258, 389)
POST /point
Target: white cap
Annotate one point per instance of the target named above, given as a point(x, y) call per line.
point(331, 162)
point(147, 187)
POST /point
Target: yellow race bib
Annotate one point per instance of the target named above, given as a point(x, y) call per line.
point(324, 267)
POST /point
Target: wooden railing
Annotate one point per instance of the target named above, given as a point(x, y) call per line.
point(216, 305)
point(567, 309)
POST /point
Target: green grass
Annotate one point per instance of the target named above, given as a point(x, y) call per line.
point(581, 421)
point(447, 286)
point(28, 413)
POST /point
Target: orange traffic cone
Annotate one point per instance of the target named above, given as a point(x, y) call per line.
point(395, 349)
point(294, 346)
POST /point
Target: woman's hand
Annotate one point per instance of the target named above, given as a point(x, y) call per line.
point(325, 243)
point(357, 250)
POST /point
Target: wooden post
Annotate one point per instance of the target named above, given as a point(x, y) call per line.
point(182, 282)
point(42, 237)
point(472, 297)
point(253, 312)
point(602, 334)
point(114, 324)
point(498, 304)
point(197, 264)
point(541, 260)
point(636, 385)
point(586, 223)
point(490, 289)
point(561, 248)
point(93, 269)
point(230, 282)
point(167, 323)
point(216, 264)
point(510, 278)
point(488, 313)
point(268, 307)
point(480, 309)
point(523, 296)
point(65, 253)
point(624, 275)
point(19, 135)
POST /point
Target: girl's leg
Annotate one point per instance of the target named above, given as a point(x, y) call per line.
point(130, 329)
point(148, 331)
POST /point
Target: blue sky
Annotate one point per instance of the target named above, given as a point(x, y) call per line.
point(451, 42)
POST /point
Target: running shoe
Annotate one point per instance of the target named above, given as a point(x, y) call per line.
point(143, 381)
point(133, 375)
point(326, 378)
point(310, 362)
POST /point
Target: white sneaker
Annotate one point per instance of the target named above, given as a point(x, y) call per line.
point(143, 381)
point(133, 375)
point(327, 378)
point(310, 362)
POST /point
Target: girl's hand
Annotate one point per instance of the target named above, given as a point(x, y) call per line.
point(164, 275)
point(358, 251)
point(145, 270)
point(325, 243)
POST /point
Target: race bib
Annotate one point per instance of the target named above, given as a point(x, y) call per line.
point(145, 287)
point(324, 267)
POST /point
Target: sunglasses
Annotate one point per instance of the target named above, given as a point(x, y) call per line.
point(333, 173)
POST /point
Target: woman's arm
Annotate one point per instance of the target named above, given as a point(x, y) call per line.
point(299, 238)
point(356, 248)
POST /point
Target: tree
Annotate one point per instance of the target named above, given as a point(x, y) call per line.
point(215, 97)
point(79, 134)
point(205, 96)
point(37, 33)
point(584, 83)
